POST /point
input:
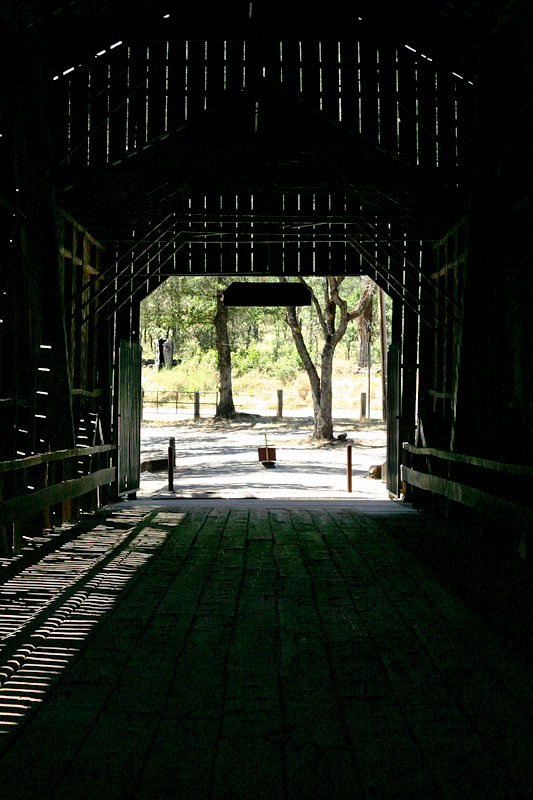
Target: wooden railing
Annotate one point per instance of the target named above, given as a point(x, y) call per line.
point(42, 490)
point(471, 490)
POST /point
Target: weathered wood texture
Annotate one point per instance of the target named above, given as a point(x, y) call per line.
point(511, 514)
point(128, 401)
point(38, 491)
point(258, 653)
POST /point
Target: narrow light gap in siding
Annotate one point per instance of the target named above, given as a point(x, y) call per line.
point(378, 97)
point(225, 65)
point(236, 233)
point(69, 116)
point(108, 112)
point(314, 238)
point(205, 76)
point(359, 84)
point(416, 114)
point(205, 230)
point(251, 233)
point(190, 233)
point(244, 65)
point(128, 101)
point(146, 118)
point(397, 104)
point(339, 67)
point(281, 62)
point(220, 225)
point(186, 110)
point(436, 120)
point(320, 75)
point(456, 125)
point(301, 66)
point(166, 84)
point(88, 153)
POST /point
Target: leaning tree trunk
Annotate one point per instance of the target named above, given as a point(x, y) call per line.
point(321, 386)
point(225, 407)
point(324, 412)
point(364, 328)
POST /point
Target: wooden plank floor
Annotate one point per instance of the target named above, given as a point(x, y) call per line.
point(225, 652)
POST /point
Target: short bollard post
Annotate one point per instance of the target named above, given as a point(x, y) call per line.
point(363, 405)
point(172, 446)
point(349, 467)
point(197, 405)
point(170, 469)
point(280, 403)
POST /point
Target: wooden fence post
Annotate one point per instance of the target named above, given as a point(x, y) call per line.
point(280, 403)
point(363, 405)
point(197, 405)
point(349, 467)
point(170, 469)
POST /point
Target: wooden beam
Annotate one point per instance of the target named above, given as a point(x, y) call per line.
point(58, 455)
point(21, 507)
point(511, 514)
point(510, 469)
point(86, 392)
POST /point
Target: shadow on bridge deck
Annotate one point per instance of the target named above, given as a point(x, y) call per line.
point(253, 650)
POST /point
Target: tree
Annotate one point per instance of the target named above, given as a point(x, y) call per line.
point(334, 318)
point(225, 407)
point(364, 331)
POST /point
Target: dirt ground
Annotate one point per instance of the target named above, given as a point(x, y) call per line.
point(220, 459)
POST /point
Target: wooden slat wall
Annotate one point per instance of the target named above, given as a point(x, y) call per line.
point(129, 410)
point(364, 85)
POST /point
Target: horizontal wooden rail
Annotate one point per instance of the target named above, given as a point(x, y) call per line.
point(502, 510)
point(505, 511)
point(42, 489)
point(510, 469)
point(86, 393)
point(57, 455)
point(21, 507)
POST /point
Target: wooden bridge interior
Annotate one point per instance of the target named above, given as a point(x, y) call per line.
point(142, 140)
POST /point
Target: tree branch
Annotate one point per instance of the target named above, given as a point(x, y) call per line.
point(302, 350)
point(316, 304)
point(369, 289)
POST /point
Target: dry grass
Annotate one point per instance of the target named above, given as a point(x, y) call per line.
point(256, 390)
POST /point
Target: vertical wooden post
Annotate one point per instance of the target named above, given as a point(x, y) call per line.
point(172, 446)
point(5, 539)
point(383, 348)
point(19, 490)
point(362, 414)
point(170, 469)
point(280, 403)
point(348, 467)
point(197, 405)
point(48, 479)
point(369, 357)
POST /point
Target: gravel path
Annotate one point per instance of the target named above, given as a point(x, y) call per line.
point(220, 460)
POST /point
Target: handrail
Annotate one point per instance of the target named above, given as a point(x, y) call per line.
point(54, 492)
point(507, 511)
point(55, 455)
point(511, 469)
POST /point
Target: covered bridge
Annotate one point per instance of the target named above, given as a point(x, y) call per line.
point(228, 652)
point(141, 140)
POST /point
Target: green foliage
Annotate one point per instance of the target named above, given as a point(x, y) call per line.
point(183, 308)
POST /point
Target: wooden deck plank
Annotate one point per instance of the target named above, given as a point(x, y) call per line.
point(285, 653)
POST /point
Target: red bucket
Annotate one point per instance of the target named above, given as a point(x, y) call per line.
point(266, 455)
